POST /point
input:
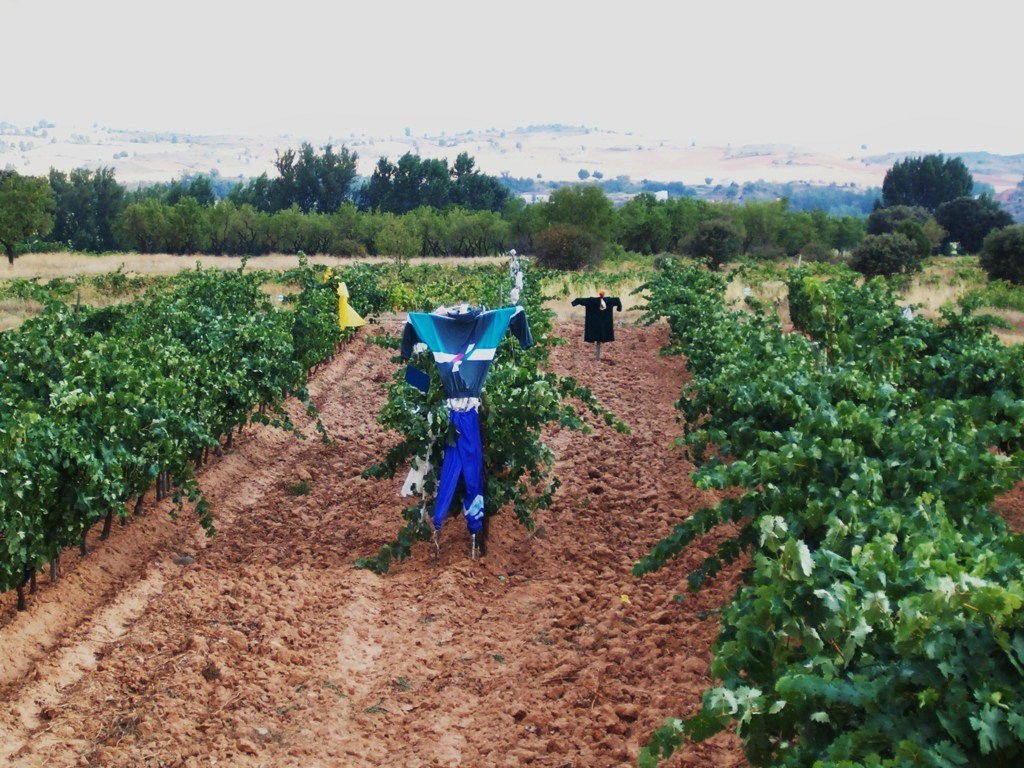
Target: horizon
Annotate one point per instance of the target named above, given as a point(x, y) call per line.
point(322, 135)
point(736, 74)
point(553, 152)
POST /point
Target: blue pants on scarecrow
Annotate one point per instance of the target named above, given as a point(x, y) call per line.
point(464, 459)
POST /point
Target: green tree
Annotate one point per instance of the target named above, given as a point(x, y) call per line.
point(189, 228)
point(414, 182)
point(314, 182)
point(643, 225)
point(221, 226)
point(377, 193)
point(396, 238)
point(429, 225)
point(968, 221)
point(434, 184)
point(284, 190)
point(250, 231)
point(883, 221)
point(338, 171)
point(87, 205)
point(476, 191)
point(762, 224)
point(143, 227)
point(235, 230)
point(257, 194)
point(201, 190)
point(287, 230)
point(915, 233)
point(936, 234)
point(306, 183)
point(475, 233)
point(684, 216)
point(407, 185)
point(584, 206)
point(567, 247)
point(846, 233)
point(198, 187)
point(348, 227)
point(799, 230)
point(1002, 254)
point(717, 242)
point(26, 210)
point(927, 181)
point(524, 220)
point(886, 255)
point(319, 233)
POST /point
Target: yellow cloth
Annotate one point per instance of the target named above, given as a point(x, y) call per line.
point(347, 317)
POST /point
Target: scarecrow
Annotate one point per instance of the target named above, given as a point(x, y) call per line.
point(463, 340)
point(598, 324)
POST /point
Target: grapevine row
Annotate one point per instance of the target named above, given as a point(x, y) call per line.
point(879, 620)
point(97, 406)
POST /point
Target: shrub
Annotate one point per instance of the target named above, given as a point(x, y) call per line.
point(885, 255)
point(344, 246)
point(716, 241)
point(766, 253)
point(915, 233)
point(883, 221)
point(566, 247)
point(821, 253)
point(1002, 254)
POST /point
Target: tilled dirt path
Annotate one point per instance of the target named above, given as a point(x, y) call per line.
point(265, 647)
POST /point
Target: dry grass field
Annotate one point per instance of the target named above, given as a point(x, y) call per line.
point(47, 266)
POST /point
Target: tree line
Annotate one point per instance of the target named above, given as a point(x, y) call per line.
point(318, 204)
point(926, 208)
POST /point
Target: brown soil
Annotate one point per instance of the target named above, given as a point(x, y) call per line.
point(263, 646)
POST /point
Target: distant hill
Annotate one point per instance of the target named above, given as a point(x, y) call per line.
point(553, 153)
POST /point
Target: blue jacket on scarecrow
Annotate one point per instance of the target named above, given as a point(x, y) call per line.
point(463, 341)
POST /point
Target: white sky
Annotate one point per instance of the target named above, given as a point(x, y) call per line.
point(894, 75)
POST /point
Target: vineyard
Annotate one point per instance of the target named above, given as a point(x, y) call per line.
point(880, 618)
point(833, 584)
